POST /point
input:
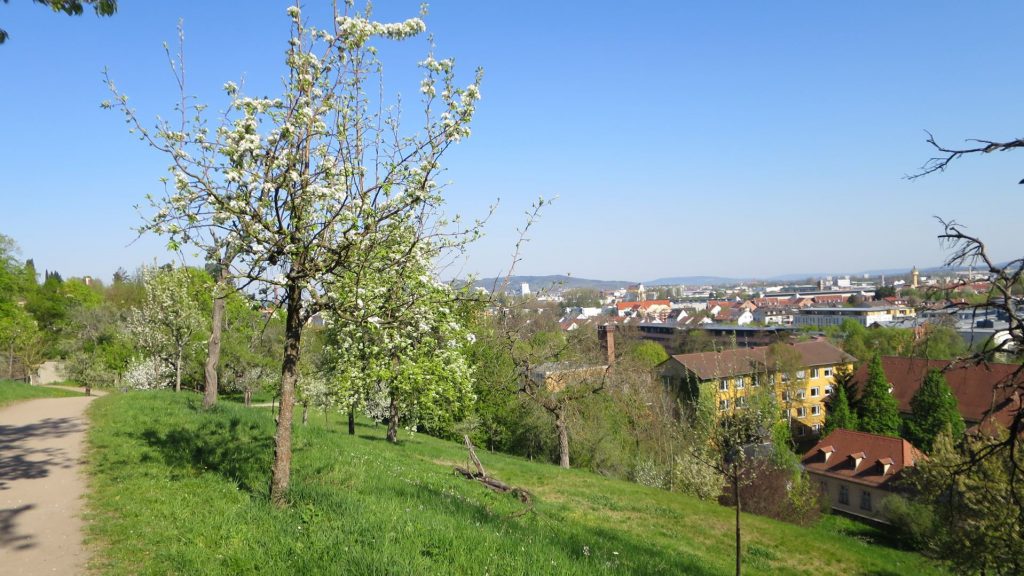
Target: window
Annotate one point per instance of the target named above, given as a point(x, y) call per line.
point(844, 494)
point(815, 392)
point(755, 380)
point(785, 395)
point(865, 500)
point(828, 372)
point(800, 373)
point(723, 384)
point(739, 383)
point(816, 410)
point(723, 404)
point(801, 394)
point(816, 427)
point(828, 390)
point(799, 430)
point(741, 401)
point(801, 412)
point(814, 372)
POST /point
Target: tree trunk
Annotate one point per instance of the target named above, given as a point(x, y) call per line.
point(177, 372)
point(305, 413)
point(393, 420)
point(213, 346)
point(352, 420)
point(282, 469)
point(736, 495)
point(563, 438)
point(10, 362)
point(248, 398)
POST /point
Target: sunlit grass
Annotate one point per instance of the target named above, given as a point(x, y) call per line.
point(179, 491)
point(11, 392)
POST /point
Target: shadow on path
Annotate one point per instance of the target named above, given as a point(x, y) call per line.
point(20, 461)
point(9, 537)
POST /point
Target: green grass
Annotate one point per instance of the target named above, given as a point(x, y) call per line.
point(11, 392)
point(178, 491)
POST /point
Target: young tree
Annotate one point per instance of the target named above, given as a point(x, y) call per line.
point(169, 320)
point(738, 439)
point(932, 410)
point(301, 185)
point(879, 413)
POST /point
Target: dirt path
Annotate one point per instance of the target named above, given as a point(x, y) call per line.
point(41, 486)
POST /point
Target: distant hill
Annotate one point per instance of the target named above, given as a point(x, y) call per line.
point(693, 281)
point(555, 282)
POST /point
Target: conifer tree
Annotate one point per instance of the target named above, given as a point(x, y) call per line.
point(839, 414)
point(879, 412)
point(932, 409)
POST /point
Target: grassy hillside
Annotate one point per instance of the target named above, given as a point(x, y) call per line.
point(179, 491)
point(11, 392)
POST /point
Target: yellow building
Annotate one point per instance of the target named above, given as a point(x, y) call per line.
point(801, 374)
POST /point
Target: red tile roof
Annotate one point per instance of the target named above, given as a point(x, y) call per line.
point(641, 305)
point(983, 391)
point(874, 452)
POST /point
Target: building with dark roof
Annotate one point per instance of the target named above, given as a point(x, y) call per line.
point(732, 376)
point(987, 394)
point(857, 470)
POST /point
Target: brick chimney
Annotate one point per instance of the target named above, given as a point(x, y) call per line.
point(606, 334)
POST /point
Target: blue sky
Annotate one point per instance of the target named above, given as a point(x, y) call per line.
point(681, 138)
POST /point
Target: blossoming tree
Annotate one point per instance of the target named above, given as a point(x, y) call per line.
point(297, 186)
point(400, 356)
point(166, 324)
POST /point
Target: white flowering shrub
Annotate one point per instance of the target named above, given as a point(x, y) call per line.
point(148, 373)
point(167, 323)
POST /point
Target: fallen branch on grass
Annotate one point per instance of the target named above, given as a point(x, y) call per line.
point(493, 483)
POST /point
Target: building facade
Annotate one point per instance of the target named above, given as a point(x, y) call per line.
point(800, 375)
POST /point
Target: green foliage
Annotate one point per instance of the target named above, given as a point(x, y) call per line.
point(839, 413)
point(72, 8)
point(646, 353)
point(878, 410)
point(933, 409)
point(914, 522)
point(581, 298)
point(861, 342)
point(180, 490)
point(978, 527)
point(940, 342)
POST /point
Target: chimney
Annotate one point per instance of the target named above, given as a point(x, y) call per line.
point(609, 343)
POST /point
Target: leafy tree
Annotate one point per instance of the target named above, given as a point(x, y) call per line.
point(648, 354)
point(940, 342)
point(736, 439)
point(72, 8)
point(932, 410)
point(878, 410)
point(301, 186)
point(977, 524)
point(839, 414)
point(581, 298)
point(169, 321)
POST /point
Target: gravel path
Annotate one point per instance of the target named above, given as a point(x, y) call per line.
point(41, 486)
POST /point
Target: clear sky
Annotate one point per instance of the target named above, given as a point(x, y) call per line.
point(681, 138)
